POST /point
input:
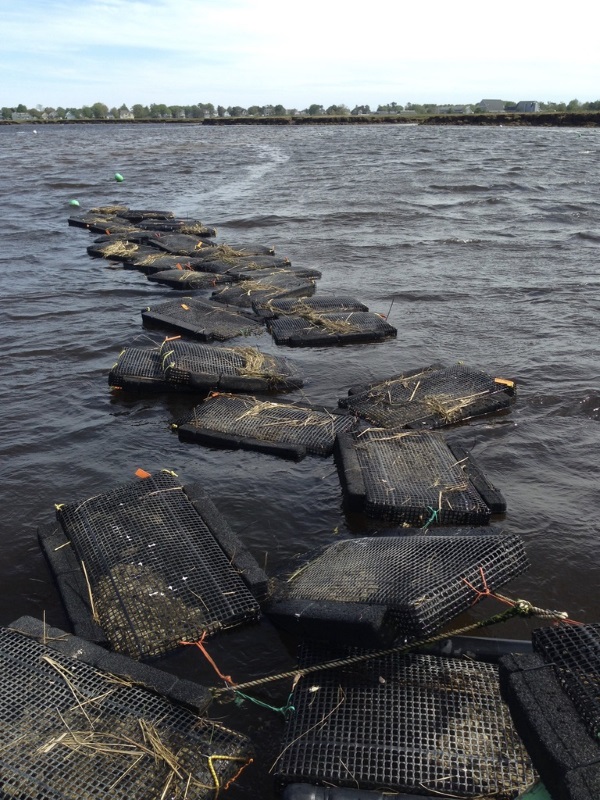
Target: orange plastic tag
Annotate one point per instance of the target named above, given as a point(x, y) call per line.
point(185, 308)
point(141, 473)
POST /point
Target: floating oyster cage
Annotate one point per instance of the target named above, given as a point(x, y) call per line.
point(552, 727)
point(186, 279)
point(319, 304)
point(263, 287)
point(226, 369)
point(202, 319)
point(181, 244)
point(370, 591)
point(329, 329)
point(225, 260)
point(430, 398)
point(140, 369)
point(153, 260)
point(574, 650)
point(414, 478)
point(149, 565)
point(77, 721)
point(288, 430)
point(414, 723)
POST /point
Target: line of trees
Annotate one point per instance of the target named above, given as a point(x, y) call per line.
point(204, 110)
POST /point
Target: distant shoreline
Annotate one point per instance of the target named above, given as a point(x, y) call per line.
point(551, 119)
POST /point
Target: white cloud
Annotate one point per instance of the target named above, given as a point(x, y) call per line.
point(267, 51)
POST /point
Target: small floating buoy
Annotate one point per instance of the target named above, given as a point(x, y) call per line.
point(73, 202)
point(34, 130)
point(118, 177)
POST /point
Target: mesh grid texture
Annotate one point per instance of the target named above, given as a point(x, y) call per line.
point(188, 363)
point(414, 478)
point(137, 367)
point(185, 279)
point(405, 723)
point(156, 574)
point(575, 652)
point(69, 731)
point(423, 581)
point(331, 329)
point(247, 417)
point(431, 398)
point(202, 319)
point(280, 284)
point(321, 304)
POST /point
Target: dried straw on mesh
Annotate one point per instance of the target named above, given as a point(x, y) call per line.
point(195, 229)
point(121, 248)
point(320, 319)
point(256, 364)
point(109, 210)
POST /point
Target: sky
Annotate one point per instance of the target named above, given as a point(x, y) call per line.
point(72, 53)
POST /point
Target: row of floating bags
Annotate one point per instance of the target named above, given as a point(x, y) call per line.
point(150, 564)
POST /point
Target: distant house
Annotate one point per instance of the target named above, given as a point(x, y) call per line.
point(125, 114)
point(454, 110)
point(21, 116)
point(492, 105)
point(528, 106)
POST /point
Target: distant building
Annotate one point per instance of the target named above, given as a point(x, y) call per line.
point(454, 110)
point(21, 116)
point(492, 105)
point(125, 114)
point(528, 106)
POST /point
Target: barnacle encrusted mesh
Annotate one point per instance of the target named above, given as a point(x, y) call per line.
point(423, 581)
point(70, 731)
point(156, 574)
point(413, 478)
point(262, 420)
point(431, 398)
point(191, 363)
point(201, 319)
point(316, 329)
point(574, 650)
point(412, 723)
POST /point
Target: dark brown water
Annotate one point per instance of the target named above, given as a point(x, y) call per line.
point(482, 244)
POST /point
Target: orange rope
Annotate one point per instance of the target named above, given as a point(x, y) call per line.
point(200, 645)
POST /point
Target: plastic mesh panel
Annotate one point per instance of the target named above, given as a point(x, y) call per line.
point(185, 279)
point(320, 304)
point(246, 417)
point(48, 701)
point(138, 367)
point(575, 652)
point(331, 329)
point(188, 363)
point(201, 319)
point(280, 284)
point(406, 723)
point(157, 575)
point(422, 581)
point(432, 398)
point(415, 478)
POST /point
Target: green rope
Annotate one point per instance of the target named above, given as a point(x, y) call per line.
point(285, 710)
point(520, 608)
point(432, 518)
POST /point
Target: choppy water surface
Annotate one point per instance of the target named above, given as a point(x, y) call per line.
point(481, 244)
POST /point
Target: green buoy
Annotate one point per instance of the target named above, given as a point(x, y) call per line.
point(118, 177)
point(73, 202)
